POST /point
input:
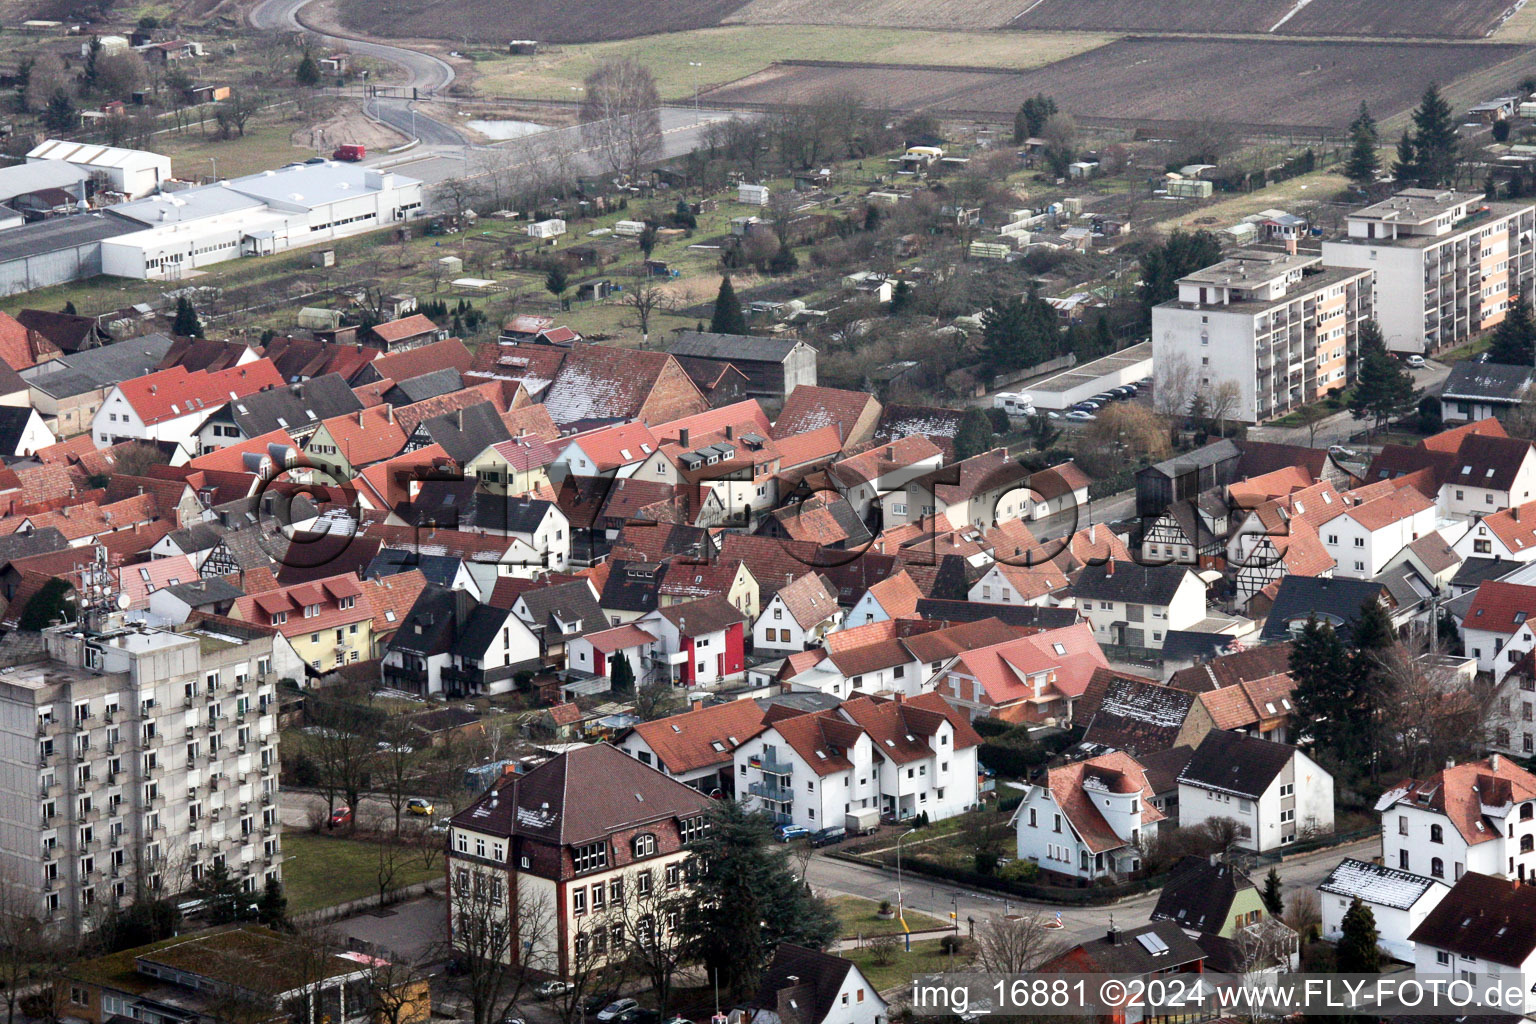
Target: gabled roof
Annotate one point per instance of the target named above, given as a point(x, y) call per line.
point(702, 617)
point(1126, 954)
point(1379, 513)
point(367, 435)
point(1500, 607)
point(1464, 792)
point(799, 974)
point(1377, 884)
point(405, 327)
point(563, 602)
point(989, 471)
point(205, 354)
point(423, 386)
point(703, 738)
point(1132, 713)
point(897, 595)
point(93, 368)
point(623, 444)
point(811, 408)
point(1198, 895)
point(809, 600)
point(1470, 380)
point(556, 802)
point(1142, 584)
point(291, 406)
point(902, 730)
point(414, 362)
point(1071, 654)
point(1489, 462)
point(813, 447)
point(467, 431)
point(1336, 601)
point(297, 358)
point(1116, 772)
point(734, 348)
point(1230, 762)
point(822, 739)
point(1248, 704)
point(1514, 526)
point(1239, 667)
point(1485, 918)
point(168, 394)
point(598, 382)
point(879, 459)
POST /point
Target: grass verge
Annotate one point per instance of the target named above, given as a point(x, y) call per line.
point(925, 958)
point(856, 917)
point(322, 871)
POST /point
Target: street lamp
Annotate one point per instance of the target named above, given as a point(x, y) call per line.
point(695, 65)
point(899, 838)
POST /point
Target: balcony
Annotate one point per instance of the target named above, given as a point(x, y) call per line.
point(769, 766)
point(770, 791)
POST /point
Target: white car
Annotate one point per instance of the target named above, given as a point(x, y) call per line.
point(1416, 361)
point(1079, 416)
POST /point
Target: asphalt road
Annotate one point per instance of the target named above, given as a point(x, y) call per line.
point(937, 899)
point(1341, 428)
point(427, 73)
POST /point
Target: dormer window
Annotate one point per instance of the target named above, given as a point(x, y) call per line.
point(645, 845)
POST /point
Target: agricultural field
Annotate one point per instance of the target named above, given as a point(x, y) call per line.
point(888, 13)
point(496, 21)
point(735, 51)
point(1201, 16)
point(1449, 19)
point(1302, 85)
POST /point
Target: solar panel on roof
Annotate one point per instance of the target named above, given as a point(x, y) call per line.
point(1152, 944)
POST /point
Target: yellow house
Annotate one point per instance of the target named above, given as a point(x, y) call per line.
point(328, 622)
point(686, 581)
point(345, 444)
point(518, 466)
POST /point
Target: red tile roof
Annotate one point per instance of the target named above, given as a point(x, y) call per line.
point(620, 638)
point(413, 362)
point(623, 444)
point(810, 448)
point(21, 348)
point(809, 600)
point(1515, 526)
point(1500, 607)
point(702, 738)
point(1117, 772)
point(1460, 793)
point(167, 394)
point(810, 408)
point(366, 436)
point(405, 327)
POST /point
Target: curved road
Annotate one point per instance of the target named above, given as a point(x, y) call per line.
point(428, 74)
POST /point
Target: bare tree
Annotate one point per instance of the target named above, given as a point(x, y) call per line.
point(652, 915)
point(621, 116)
point(388, 868)
point(1221, 401)
point(398, 992)
point(656, 699)
point(395, 765)
point(1173, 385)
point(27, 948)
point(1014, 945)
point(343, 748)
point(500, 939)
point(646, 299)
point(1436, 715)
point(1303, 915)
point(459, 195)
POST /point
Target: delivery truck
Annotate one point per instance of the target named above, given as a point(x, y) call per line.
point(349, 153)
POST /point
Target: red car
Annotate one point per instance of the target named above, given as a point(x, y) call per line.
point(340, 816)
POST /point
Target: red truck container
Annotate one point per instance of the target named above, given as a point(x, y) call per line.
point(349, 153)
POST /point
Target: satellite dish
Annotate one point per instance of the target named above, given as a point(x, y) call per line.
point(123, 601)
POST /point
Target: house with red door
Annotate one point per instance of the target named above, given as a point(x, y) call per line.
point(698, 643)
point(597, 653)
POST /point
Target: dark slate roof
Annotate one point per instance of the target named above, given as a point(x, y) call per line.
point(570, 601)
point(432, 624)
point(1127, 581)
point(1486, 382)
point(204, 592)
point(1210, 455)
point(1198, 894)
point(197, 537)
point(478, 630)
point(557, 802)
point(31, 241)
point(501, 513)
point(820, 976)
point(1335, 601)
point(96, 368)
point(1192, 645)
point(295, 405)
point(1163, 768)
point(38, 542)
point(1013, 615)
point(1233, 763)
point(1131, 714)
point(633, 586)
point(13, 423)
point(1125, 955)
point(438, 569)
point(1475, 571)
point(733, 348)
point(465, 433)
point(428, 385)
point(1484, 917)
point(1260, 457)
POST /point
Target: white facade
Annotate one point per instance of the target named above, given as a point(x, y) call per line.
point(257, 215)
point(1300, 797)
point(1424, 841)
point(1398, 901)
point(118, 421)
point(1448, 264)
point(1120, 622)
point(1485, 974)
point(1279, 326)
point(34, 436)
point(132, 172)
point(777, 630)
point(1360, 552)
point(1044, 834)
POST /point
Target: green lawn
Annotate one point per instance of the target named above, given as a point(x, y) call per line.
point(321, 871)
point(925, 958)
point(856, 916)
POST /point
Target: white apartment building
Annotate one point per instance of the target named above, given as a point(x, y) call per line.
point(1479, 816)
point(1365, 537)
point(1274, 792)
point(1480, 934)
point(1447, 263)
point(1283, 327)
point(137, 756)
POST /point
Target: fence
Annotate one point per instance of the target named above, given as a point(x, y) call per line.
point(357, 906)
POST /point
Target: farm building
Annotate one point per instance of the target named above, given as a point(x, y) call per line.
point(132, 172)
point(256, 215)
point(774, 366)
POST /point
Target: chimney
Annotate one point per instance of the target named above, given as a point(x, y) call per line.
point(360, 417)
point(682, 437)
point(1109, 566)
point(389, 412)
point(1112, 933)
point(730, 432)
point(696, 704)
point(458, 418)
point(890, 453)
point(1493, 762)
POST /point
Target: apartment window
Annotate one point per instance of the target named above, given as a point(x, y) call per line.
point(579, 900)
point(591, 857)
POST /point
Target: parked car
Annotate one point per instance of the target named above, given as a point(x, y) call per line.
point(339, 817)
point(1088, 405)
point(638, 1015)
point(829, 836)
point(788, 832)
point(1125, 391)
point(1105, 396)
point(511, 1020)
point(1080, 416)
point(419, 807)
point(596, 1001)
point(615, 1008)
point(1415, 361)
point(550, 989)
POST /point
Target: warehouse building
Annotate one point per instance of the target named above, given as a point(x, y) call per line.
point(256, 215)
point(132, 172)
point(57, 251)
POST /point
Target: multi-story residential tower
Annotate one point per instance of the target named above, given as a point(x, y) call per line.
point(134, 759)
point(1448, 264)
point(1281, 326)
